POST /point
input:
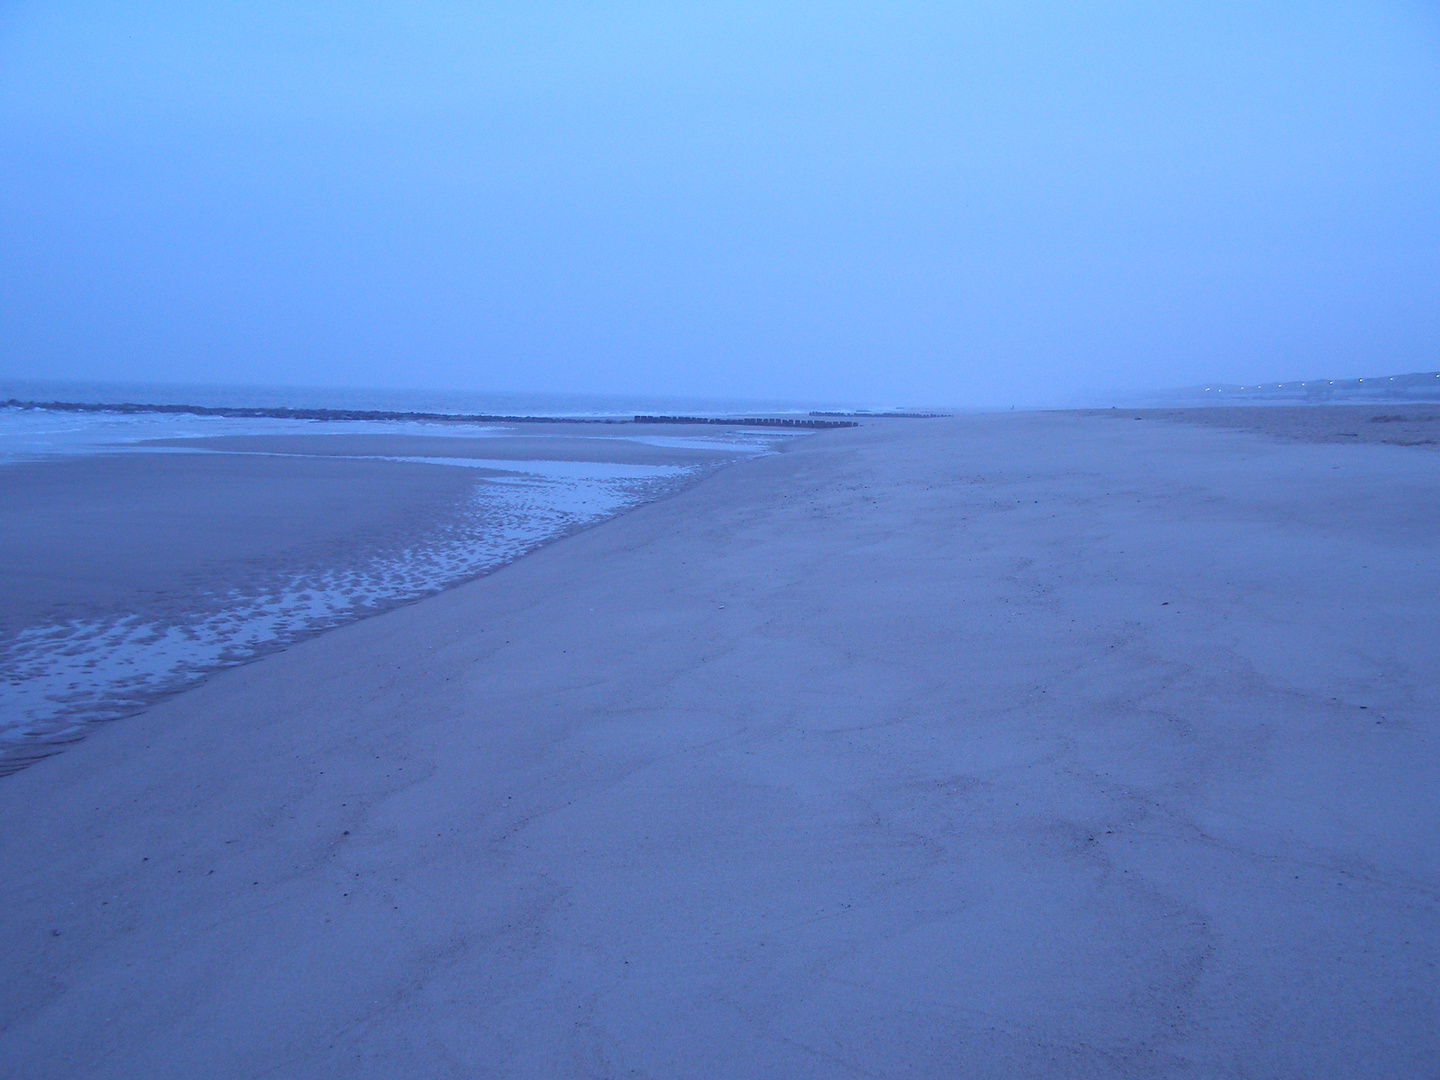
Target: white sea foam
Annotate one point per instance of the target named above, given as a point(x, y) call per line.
point(34, 434)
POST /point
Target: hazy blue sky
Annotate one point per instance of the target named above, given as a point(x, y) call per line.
point(891, 203)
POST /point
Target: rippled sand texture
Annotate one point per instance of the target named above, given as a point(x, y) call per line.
point(128, 577)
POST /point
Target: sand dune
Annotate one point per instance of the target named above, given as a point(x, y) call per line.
point(1021, 745)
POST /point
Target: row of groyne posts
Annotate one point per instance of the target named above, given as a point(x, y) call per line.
point(751, 421)
point(239, 413)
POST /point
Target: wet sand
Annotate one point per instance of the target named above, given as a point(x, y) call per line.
point(1019, 745)
point(606, 449)
point(129, 575)
point(85, 534)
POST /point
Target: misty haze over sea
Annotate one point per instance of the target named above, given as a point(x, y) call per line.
point(942, 206)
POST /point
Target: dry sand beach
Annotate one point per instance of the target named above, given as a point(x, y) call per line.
point(1046, 745)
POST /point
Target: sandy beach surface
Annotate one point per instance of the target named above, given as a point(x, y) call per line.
point(1050, 745)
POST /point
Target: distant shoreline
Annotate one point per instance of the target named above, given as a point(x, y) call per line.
point(1397, 424)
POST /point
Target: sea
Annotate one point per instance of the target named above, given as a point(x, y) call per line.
point(62, 672)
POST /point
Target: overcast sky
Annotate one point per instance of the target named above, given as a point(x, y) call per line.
point(886, 203)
